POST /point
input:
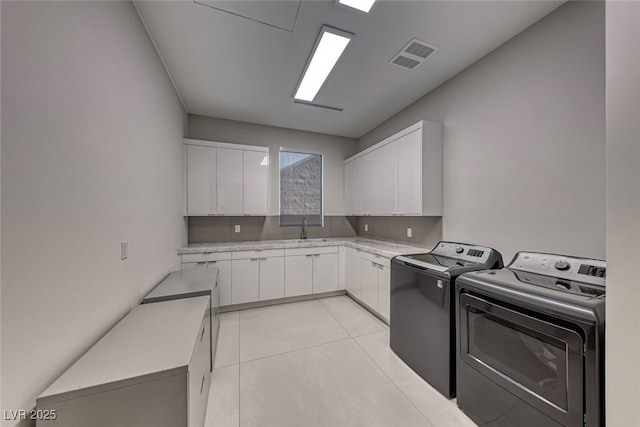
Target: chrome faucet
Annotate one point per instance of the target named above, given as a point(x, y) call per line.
point(303, 232)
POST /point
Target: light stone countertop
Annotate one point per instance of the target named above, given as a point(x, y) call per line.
point(378, 247)
point(184, 284)
point(152, 341)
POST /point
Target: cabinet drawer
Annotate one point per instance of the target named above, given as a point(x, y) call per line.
point(311, 251)
point(213, 256)
point(266, 253)
point(378, 259)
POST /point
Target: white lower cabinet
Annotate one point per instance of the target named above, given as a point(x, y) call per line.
point(271, 278)
point(151, 370)
point(369, 283)
point(368, 278)
point(384, 291)
point(298, 275)
point(245, 284)
point(352, 271)
point(224, 281)
point(222, 260)
point(325, 273)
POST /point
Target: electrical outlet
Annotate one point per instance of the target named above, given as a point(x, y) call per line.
point(409, 232)
point(124, 250)
point(237, 229)
point(366, 227)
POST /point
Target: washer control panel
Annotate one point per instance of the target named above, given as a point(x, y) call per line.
point(583, 270)
point(462, 251)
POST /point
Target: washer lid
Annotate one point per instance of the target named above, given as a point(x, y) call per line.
point(435, 262)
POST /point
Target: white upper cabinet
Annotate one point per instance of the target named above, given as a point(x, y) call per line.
point(230, 182)
point(409, 174)
point(370, 179)
point(226, 179)
point(256, 182)
point(401, 175)
point(388, 178)
point(201, 191)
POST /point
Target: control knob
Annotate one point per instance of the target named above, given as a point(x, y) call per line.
point(562, 265)
point(459, 249)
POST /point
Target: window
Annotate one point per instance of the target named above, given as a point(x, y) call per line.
point(300, 188)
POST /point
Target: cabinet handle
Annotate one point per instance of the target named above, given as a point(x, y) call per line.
point(202, 385)
point(202, 334)
point(213, 262)
point(254, 259)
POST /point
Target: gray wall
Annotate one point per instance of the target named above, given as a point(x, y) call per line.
point(524, 139)
point(91, 155)
point(334, 148)
point(623, 212)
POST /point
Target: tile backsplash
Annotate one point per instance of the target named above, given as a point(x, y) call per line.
point(426, 231)
point(205, 229)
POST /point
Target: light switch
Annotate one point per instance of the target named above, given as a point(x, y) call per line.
point(366, 227)
point(409, 232)
point(124, 250)
point(237, 228)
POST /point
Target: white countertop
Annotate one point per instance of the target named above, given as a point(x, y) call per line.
point(378, 247)
point(184, 284)
point(152, 340)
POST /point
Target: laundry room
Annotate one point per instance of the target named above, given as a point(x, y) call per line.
point(319, 213)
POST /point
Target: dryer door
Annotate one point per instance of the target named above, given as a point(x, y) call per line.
point(538, 362)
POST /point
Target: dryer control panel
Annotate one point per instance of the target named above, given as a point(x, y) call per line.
point(463, 251)
point(592, 271)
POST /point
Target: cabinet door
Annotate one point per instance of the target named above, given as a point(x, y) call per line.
point(369, 283)
point(245, 280)
point(201, 180)
point(384, 291)
point(358, 183)
point(349, 188)
point(388, 178)
point(298, 275)
point(229, 181)
point(325, 273)
point(371, 183)
point(256, 181)
point(410, 173)
point(352, 271)
point(224, 280)
point(271, 278)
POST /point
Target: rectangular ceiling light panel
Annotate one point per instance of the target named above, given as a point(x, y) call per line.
point(362, 5)
point(328, 49)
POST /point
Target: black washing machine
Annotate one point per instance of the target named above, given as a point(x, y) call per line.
point(422, 323)
point(530, 342)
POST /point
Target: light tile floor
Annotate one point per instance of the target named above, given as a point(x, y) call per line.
point(320, 363)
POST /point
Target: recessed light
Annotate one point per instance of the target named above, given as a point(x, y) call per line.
point(362, 5)
point(328, 49)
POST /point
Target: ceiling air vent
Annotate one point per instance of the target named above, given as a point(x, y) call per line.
point(413, 54)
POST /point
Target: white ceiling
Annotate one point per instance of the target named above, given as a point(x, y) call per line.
point(227, 66)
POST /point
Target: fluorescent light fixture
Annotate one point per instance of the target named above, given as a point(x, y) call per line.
point(327, 51)
point(362, 5)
